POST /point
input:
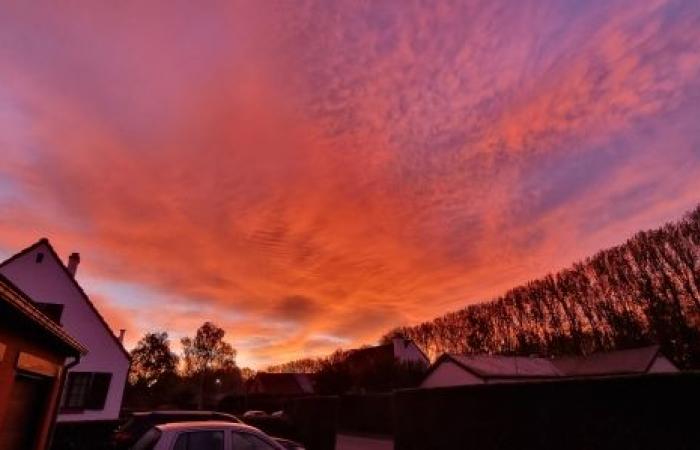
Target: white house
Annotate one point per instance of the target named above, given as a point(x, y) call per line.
point(95, 386)
point(459, 370)
point(399, 349)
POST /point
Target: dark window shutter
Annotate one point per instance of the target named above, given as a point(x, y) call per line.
point(98, 390)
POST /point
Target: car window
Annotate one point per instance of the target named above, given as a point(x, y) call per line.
point(200, 440)
point(247, 441)
point(148, 440)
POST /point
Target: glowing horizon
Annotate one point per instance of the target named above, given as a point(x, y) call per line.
point(309, 175)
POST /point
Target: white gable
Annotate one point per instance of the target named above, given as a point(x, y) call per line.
point(407, 351)
point(661, 364)
point(447, 373)
point(45, 280)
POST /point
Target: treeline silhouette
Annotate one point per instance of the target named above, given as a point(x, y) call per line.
point(646, 291)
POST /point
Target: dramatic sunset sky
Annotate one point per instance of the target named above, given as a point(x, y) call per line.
point(309, 174)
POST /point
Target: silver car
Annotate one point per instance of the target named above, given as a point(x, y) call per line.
point(210, 435)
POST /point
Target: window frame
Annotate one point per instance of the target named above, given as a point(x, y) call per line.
point(87, 400)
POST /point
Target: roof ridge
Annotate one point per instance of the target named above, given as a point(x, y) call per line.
point(81, 291)
point(23, 302)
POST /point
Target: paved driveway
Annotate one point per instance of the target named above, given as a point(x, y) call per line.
point(350, 442)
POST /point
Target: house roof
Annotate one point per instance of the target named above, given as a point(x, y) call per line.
point(18, 300)
point(491, 366)
point(620, 362)
point(45, 241)
point(371, 354)
point(284, 383)
point(636, 360)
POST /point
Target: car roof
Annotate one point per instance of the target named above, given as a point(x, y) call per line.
point(178, 413)
point(193, 425)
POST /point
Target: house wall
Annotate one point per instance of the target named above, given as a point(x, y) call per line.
point(47, 282)
point(450, 374)
point(15, 337)
point(662, 365)
point(408, 353)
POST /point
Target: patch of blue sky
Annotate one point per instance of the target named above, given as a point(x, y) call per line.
point(126, 294)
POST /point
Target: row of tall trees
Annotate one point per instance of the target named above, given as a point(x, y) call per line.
point(646, 291)
point(159, 377)
point(336, 374)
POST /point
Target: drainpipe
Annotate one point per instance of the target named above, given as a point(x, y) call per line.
point(61, 384)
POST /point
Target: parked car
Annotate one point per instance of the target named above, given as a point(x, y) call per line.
point(288, 444)
point(209, 435)
point(139, 422)
point(253, 414)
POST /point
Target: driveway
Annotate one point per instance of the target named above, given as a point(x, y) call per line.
point(353, 442)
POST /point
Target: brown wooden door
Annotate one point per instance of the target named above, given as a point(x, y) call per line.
point(25, 412)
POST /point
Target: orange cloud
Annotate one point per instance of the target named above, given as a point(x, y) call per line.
point(311, 176)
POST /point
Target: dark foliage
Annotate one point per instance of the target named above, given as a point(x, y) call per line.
point(644, 291)
point(209, 372)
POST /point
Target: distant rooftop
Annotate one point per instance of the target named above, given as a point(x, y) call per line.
point(619, 362)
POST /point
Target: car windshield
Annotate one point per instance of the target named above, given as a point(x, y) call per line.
point(148, 441)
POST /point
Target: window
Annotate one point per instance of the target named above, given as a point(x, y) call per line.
point(98, 391)
point(200, 440)
point(86, 390)
point(53, 311)
point(76, 390)
point(39, 257)
point(247, 441)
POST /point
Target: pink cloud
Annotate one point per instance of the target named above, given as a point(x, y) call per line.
point(315, 175)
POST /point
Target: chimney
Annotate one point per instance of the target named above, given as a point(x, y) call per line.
point(73, 261)
point(122, 332)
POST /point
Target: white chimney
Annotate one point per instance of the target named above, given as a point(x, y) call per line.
point(73, 261)
point(122, 332)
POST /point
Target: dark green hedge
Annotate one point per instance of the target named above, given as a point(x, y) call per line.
point(632, 413)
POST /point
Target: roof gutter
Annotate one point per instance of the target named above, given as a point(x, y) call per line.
point(21, 302)
point(63, 376)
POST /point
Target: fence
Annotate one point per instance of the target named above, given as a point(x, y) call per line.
point(310, 419)
point(366, 413)
point(629, 413)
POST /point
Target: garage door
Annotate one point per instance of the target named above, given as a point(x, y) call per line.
point(25, 412)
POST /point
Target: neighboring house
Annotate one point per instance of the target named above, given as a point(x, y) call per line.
point(94, 387)
point(280, 384)
point(33, 353)
point(458, 370)
point(399, 350)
